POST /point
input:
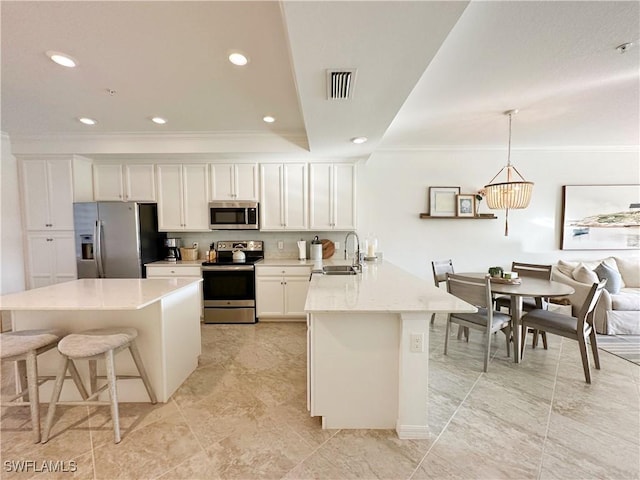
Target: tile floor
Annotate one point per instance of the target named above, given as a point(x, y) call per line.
point(242, 414)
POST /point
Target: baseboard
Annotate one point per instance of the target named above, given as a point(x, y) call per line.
point(412, 432)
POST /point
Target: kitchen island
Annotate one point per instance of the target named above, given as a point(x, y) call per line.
point(166, 313)
point(368, 348)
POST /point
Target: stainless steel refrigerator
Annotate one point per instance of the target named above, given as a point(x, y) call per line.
point(116, 239)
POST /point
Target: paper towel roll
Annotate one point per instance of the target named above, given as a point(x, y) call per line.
point(302, 250)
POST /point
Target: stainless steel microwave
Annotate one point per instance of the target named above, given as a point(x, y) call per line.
point(233, 215)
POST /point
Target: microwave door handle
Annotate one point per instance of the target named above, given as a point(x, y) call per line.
point(246, 216)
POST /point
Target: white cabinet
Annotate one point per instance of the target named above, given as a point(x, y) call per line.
point(234, 181)
point(284, 197)
point(281, 292)
point(129, 183)
point(183, 194)
point(332, 196)
point(47, 194)
point(51, 258)
point(173, 271)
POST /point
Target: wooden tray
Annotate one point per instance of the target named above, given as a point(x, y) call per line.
point(328, 248)
point(515, 281)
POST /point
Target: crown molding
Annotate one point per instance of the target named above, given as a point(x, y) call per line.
point(503, 148)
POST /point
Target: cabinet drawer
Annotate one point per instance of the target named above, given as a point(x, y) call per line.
point(176, 271)
point(290, 271)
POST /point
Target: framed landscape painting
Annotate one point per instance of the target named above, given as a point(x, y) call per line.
point(601, 217)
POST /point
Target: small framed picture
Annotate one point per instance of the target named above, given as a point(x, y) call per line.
point(442, 201)
point(466, 205)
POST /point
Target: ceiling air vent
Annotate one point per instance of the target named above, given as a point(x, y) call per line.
point(340, 83)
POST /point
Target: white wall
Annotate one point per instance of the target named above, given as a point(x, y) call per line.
point(11, 250)
point(394, 192)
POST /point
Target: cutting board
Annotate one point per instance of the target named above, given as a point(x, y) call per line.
point(328, 248)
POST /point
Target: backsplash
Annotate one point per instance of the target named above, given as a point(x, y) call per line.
point(270, 239)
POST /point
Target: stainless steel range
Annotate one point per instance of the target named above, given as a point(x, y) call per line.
point(229, 283)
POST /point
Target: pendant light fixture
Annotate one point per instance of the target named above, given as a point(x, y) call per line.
point(510, 194)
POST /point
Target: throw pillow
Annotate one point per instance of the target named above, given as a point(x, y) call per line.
point(566, 268)
point(583, 274)
point(613, 277)
point(629, 268)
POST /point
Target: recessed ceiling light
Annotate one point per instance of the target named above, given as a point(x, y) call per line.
point(359, 140)
point(87, 120)
point(268, 119)
point(159, 120)
point(238, 59)
point(62, 59)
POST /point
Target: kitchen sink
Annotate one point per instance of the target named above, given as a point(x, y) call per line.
point(338, 270)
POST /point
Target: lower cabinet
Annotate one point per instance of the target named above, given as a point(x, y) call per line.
point(51, 258)
point(281, 292)
point(177, 271)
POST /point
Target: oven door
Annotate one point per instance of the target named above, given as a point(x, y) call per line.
point(229, 294)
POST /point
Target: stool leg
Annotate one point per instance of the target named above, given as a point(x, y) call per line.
point(55, 396)
point(135, 353)
point(34, 398)
point(76, 379)
point(113, 394)
point(93, 375)
point(22, 378)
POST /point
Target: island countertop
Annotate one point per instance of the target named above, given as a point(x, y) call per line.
point(95, 294)
point(381, 287)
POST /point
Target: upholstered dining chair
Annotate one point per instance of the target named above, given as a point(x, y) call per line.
point(440, 269)
point(531, 270)
point(577, 328)
point(477, 291)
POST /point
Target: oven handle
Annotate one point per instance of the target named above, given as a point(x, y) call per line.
point(228, 268)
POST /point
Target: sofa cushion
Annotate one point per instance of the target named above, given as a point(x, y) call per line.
point(566, 268)
point(583, 274)
point(629, 268)
point(614, 280)
point(627, 299)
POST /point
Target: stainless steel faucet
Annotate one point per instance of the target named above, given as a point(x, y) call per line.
point(356, 259)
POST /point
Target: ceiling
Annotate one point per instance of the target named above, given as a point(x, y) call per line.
point(429, 74)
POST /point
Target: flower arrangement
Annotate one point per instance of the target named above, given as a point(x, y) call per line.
point(479, 196)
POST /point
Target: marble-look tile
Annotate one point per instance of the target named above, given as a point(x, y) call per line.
point(205, 381)
point(195, 467)
point(79, 468)
point(315, 467)
point(147, 452)
point(373, 454)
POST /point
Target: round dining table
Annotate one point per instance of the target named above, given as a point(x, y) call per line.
point(528, 287)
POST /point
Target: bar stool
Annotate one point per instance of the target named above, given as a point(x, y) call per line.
point(23, 347)
point(91, 345)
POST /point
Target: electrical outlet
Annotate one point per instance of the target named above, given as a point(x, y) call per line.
point(337, 245)
point(280, 245)
point(416, 342)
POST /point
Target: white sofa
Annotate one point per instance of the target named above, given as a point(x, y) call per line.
point(616, 313)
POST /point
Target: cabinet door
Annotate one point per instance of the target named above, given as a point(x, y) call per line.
point(222, 182)
point(271, 197)
point(196, 194)
point(40, 260)
point(35, 196)
point(170, 199)
point(60, 189)
point(269, 296)
point(246, 181)
point(321, 208)
point(344, 195)
point(107, 183)
point(64, 257)
point(296, 197)
point(140, 183)
point(295, 295)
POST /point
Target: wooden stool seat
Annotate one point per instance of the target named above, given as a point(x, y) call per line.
point(91, 345)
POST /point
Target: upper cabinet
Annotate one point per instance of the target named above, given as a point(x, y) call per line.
point(183, 194)
point(47, 192)
point(332, 196)
point(126, 183)
point(234, 181)
point(284, 196)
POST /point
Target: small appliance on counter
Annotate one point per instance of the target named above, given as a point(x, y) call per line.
point(173, 249)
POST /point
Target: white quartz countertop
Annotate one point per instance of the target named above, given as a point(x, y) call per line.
point(290, 262)
point(95, 294)
point(179, 263)
point(381, 287)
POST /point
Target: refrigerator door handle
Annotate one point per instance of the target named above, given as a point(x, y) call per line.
point(98, 255)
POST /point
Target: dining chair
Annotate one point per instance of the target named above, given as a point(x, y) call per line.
point(440, 269)
point(577, 328)
point(531, 270)
point(477, 291)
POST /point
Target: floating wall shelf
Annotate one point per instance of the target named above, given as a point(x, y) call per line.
point(426, 216)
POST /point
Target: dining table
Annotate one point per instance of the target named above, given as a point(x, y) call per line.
point(526, 287)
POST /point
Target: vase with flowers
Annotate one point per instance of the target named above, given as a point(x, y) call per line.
point(479, 196)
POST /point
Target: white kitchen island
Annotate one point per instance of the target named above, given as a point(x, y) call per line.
point(166, 313)
point(363, 370)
